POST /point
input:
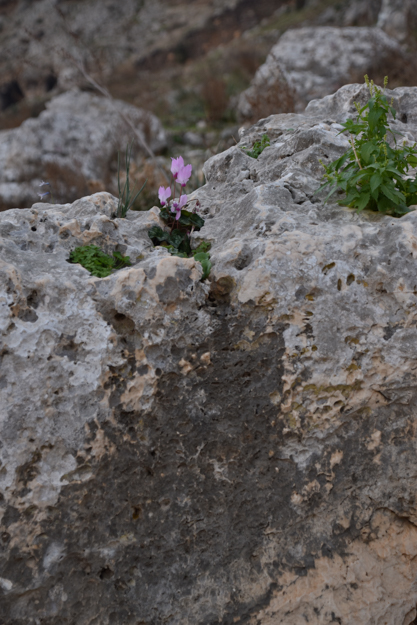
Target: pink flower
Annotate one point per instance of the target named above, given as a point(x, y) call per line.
point(184, 174)
point(164, 194)
point(183, 200)
point(177, 206)
point(176, 166)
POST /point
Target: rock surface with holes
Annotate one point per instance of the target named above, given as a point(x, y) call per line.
point(313, 62)
point(236, 450)
point(73, 145)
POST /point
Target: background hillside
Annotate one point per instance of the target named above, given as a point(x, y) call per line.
point(186, 62)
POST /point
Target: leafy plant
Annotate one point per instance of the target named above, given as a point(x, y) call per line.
point(177, 240)
point(97, 262)
point(373, 174)
point(204, 259)
point(181, 222)
point(258, 147)
point(126, 198)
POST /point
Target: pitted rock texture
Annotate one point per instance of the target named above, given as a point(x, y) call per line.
point(239, 450)
point(73, 145)
point(312, 62)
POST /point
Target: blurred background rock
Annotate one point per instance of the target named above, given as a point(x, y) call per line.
point(196, 71)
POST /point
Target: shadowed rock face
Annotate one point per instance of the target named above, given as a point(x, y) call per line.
point(238, 450)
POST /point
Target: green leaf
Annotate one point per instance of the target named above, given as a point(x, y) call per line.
point(374, 116)
point(329, 195)
point(351, 197)
point(258, 147)
point(391, 194)
point(191, 219)
point(96, 261)
point(121, 261)
point(126, 200)
point(204, 259)
point(185, 246)
point(341, 161)
point(363, 201)
point(392, 170)
point(175, 252)
point(176, 238)
point(376, 181)
point(156, 232)
point(366, 150)
point(164, 214)
point(204, 246)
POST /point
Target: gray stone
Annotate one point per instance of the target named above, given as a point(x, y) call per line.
point(398, 18)
point(73, 145)
point(309, 63)
point(193, 138)
point(239, 449)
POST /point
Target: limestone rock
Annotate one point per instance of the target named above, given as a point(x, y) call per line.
point(341, 105)
point(40, 40)
point(73, 145)
point(236, 450)
point(398, 18)
point(309, 63)
point(360, 12)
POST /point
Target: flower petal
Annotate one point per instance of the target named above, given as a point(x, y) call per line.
point(184, 174)
point(164, 194)
point(183, 200)
point(176, 165)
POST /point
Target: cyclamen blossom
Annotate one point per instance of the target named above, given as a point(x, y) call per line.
point(176, 166)
point(177, 206)
point(164, 194)
point(184, 174)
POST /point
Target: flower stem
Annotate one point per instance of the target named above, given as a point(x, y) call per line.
point(354, 151)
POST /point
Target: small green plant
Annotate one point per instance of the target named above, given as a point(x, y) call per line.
point(182, 223)
point(258, 147)
point(204, 259)
point(372, 174)
point(97, 262)
point(126, 198)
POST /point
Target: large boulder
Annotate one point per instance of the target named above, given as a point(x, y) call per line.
point(309, 63)
point(236, 450)
point(72, 145)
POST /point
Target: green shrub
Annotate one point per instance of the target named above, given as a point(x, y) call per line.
point(372, 174)
point(97, 262)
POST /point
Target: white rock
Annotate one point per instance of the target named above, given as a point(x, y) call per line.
point(309, 63)
point(180, 452)
point(73, 145)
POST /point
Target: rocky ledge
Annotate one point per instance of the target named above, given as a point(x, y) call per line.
point(238, 450)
